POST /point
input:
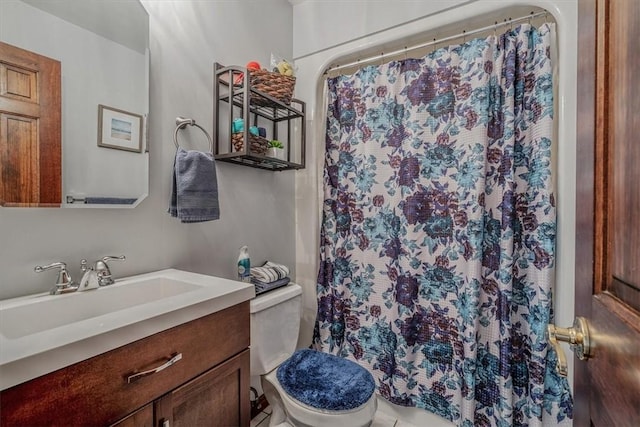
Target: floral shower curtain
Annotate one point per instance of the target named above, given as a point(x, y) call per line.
point(438, 232)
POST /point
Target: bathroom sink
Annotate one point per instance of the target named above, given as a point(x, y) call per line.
point(49, 312)
point(41, 333)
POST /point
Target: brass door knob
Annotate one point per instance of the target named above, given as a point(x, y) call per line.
point(578, 339)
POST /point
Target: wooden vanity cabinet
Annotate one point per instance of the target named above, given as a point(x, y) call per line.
point(207, 386)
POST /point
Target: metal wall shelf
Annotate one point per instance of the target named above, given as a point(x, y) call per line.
point(255, 107)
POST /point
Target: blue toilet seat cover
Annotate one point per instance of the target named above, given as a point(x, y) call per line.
point(325, 381)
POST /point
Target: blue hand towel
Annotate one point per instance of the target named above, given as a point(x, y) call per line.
point(109, 201)
point(194, 196)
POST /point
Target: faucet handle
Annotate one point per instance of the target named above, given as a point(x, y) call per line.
point(64, 283)
point(113, 258)
point(102, 269)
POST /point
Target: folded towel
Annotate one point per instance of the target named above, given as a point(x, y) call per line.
point(262, 287)
point(109, 201)
point(269, 272)
point(194, 194)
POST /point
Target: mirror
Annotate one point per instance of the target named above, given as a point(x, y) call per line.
point(103, 50)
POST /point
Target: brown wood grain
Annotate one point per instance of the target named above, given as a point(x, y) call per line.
point(141, 418)
point(624, 129)
point(95, 391)
point(585, 156)
point(615, 369)
point(608, 236)
point(20, 83)
point(30, 86)
point(219, 397)
point(50, 161)
point(18, 159)
point(602, 185)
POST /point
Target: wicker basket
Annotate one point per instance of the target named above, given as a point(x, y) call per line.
point(257, 144)
point(276, 85)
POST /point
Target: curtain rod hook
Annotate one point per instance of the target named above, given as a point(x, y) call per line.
point(435, 45)
point(464, 36)
point(405, 53)
point(495, 29)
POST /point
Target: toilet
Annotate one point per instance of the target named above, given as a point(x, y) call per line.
point(305, 388)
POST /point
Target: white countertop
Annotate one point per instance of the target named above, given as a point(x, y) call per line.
point(27, 351)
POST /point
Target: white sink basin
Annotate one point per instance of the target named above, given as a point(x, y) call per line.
point(49, 312)
point(41, 333)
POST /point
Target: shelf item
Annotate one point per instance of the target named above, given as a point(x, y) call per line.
point(258, 144)
point(274, 84)
point(283, 122)
point(277, 153)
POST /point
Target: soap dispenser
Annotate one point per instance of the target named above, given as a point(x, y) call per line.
point(244, 265)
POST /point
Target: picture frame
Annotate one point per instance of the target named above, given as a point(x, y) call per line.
point(119, 129)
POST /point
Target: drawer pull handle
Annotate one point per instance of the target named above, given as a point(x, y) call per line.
point(135, 377)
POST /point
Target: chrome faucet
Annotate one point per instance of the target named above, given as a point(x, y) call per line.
point(98, 274)
point(89, 278)
point(64, 283)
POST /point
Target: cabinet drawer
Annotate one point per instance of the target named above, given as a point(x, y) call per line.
point(96, 391)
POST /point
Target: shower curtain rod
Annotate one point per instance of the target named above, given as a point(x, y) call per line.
point(383, 55)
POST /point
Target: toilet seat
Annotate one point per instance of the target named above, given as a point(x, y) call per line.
point(300, 414)
point(320, 389)
point(324, 381)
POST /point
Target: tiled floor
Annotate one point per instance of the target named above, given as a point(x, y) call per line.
point(380, 420)
point(262, 419)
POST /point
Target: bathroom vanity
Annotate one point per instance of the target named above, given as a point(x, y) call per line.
point(193, 373)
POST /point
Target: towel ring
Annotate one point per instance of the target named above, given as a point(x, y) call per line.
point(181, 123)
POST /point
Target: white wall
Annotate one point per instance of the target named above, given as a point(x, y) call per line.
point(321, 24)
point(95, 70)
point(257, 207)
point(310, 84)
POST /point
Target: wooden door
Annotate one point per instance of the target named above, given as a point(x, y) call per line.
point(607, 387)
point(30, 138)
point(217, 398)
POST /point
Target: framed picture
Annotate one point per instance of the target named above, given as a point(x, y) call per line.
point(119, 129)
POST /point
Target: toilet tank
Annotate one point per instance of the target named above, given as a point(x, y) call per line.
point(275, 323)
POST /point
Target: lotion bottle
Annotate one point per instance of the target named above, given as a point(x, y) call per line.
point(244, 265)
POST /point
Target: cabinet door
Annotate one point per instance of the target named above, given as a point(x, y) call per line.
point(141, 418)
point(219, 397)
